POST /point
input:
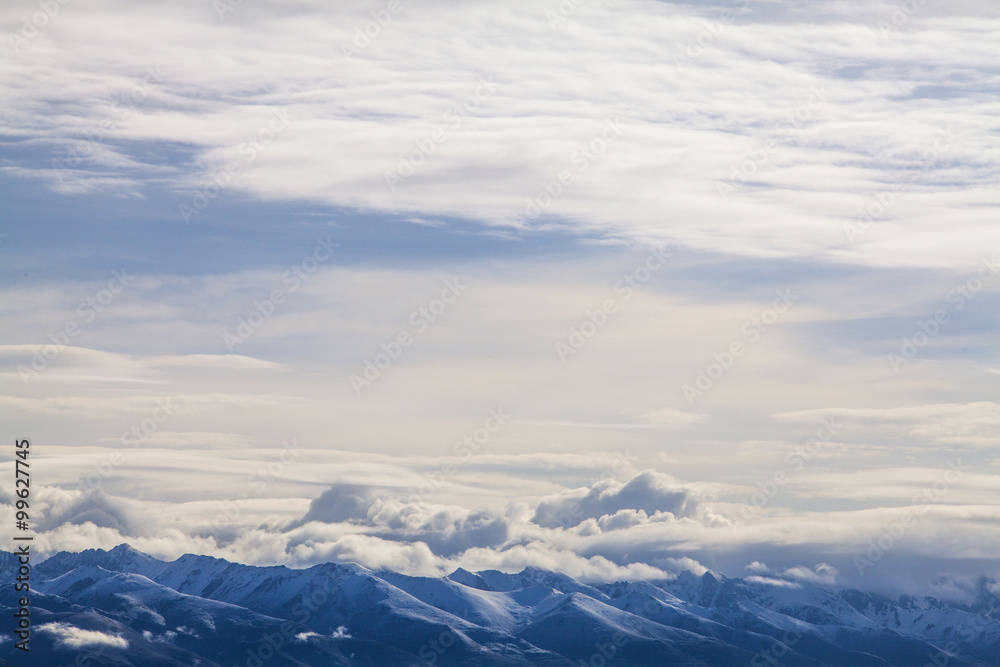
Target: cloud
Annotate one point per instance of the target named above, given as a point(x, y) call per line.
point(678, 565)
point(107, 408)
point(673, 417)
point(372, 552)
point(622, 519)
point(69, 361)
point(426, 539)
point(587, 569)
point(820, 574)
point(340, 503)
point(866, 135)
point(70, 636)
point(970, 424)
point(649, 491)
point(446, 530)
point(874, 106)
point(167, 637)
point(768, 581)
point(101, 510)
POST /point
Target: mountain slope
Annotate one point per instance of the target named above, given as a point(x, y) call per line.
point(122, 607)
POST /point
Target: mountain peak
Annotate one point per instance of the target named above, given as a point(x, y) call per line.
point(466, 578)
point(532, 617)
point(125, 548)
point(122, 558)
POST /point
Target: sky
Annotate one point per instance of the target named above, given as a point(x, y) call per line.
point(618, 288)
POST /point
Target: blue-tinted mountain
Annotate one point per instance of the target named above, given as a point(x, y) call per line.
point(123, 607)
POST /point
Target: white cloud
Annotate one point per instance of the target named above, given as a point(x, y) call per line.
point(820, 574)
point(101, 510)
point(581, 432)
point(974, 424)
point(673, 417)
point(869, 133)
point(70, 636)
point(768, 581)
point(167, 637)
point(812, 547)
point(649, 491)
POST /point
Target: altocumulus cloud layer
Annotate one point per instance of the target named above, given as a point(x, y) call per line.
point(841, 153)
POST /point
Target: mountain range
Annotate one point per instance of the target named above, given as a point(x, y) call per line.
point(122, 607)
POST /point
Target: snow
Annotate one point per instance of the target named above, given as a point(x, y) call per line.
point(491, 617)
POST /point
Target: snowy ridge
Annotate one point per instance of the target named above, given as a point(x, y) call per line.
point(208, 611)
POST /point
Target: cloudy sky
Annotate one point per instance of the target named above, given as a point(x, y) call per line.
point(617, 287)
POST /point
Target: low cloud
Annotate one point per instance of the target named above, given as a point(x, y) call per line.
point(447, 530)
point(340, 503)
point(99, 509)
point(70, 636)
point(668, 533)
point(650, 492)
point(820, 574)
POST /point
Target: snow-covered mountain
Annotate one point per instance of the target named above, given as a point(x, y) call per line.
point(122, 607)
